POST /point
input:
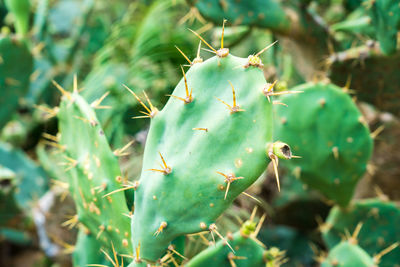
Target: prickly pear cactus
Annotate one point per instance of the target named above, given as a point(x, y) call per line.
point(347, 254)
point(385, 15)
point(16, 65)
point(94, 174)
point(379, 230)
point(248, 251)
point(324, 127)
point(203, 149)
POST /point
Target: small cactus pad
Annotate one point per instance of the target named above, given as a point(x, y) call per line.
point(209, 150)
point(94, 173)
point(324, 127)
point(385, 15)
point(248, 251)
point(347, 254)
point(14, 78)
point(380, 227)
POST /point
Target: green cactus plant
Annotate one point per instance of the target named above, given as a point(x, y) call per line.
point(93, 172)
point(380, 220)
point(325, 128)
point(201, 136)
point(347, 254)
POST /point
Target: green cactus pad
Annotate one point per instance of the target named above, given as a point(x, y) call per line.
point(16, 65)
point(385, 16)
point(93, 172)
point(30, 180)
point(346, 254)
point(249, 253)
point(261, 13)
point(197, 140)
point(324, 127)
point(380, 227)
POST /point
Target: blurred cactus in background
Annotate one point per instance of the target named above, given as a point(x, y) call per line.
point(199, 133)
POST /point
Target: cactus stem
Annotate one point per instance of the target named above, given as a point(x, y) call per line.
point(213, 229)
point(183, 54)
point(163, 225)
point(165, 168)
point(229, 178)
point(121, 151)
point(97, 103)
point(200, 129)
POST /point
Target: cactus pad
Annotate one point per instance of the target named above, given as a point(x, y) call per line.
point(204, 144)
point(380, 221)
point(93, 172)
point(325, 128)
point(347, 254)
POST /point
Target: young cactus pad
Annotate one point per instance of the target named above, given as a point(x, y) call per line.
point(380, 227)
point(210, 146)
point(347, 254)
point(249, 252)
point(324, 127)
point(93, 172)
